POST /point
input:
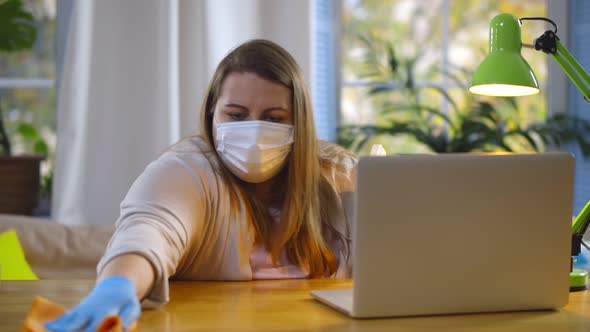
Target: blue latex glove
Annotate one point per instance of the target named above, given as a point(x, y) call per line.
point(112, 296)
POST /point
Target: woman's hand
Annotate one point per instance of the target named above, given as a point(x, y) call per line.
point(114, 295)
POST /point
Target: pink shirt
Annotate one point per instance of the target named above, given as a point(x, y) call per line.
point(263, 267)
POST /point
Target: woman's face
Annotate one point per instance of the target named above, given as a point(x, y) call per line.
point(246, 97)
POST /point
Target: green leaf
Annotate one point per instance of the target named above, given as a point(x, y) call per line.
point(365, 40)
point(409, 76)
point(545, 135)
point(488, 111)
point(40, 147)
point(380, 89)
point(17, 27)
point(461, 82)
point(446, 95)
point(584, 145)
point(512, 102)
point(530, 140)
point(27, 131)
point(391, 59)
point(415, 108)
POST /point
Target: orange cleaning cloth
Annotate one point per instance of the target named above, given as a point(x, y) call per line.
point(43, 311)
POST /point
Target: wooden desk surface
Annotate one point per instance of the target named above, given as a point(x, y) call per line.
point(279, 305)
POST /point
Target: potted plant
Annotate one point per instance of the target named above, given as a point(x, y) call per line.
point(19, 175)
point(476, 125)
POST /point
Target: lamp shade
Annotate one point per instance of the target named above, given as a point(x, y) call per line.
point(504, 72)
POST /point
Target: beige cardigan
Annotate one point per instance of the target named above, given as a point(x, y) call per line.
point(177, 215)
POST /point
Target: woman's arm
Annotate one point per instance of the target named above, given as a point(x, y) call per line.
point(163, 212)
point(160, 215)
point(135, 267)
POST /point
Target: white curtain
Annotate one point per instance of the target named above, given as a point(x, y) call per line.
point(132, 82)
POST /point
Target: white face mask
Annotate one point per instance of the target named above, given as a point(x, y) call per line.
point(254, 151)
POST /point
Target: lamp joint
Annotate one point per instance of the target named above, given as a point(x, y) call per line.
point(547, 42)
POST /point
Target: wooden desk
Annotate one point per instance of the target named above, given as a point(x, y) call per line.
point(279, 306)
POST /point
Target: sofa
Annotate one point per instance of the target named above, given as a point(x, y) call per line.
point(57, 251)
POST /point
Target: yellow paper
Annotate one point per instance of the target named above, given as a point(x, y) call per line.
point(13, 265)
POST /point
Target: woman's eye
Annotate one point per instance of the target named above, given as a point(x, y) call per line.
point(237, 116)
point(273, 119)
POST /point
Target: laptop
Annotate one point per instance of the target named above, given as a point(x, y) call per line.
point(459, 233)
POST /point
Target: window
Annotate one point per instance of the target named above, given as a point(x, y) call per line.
point(579, 46)
point(27, 84)
point(441, 41)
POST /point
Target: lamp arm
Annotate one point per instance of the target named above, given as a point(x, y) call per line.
point(572, 69)
point(550, 44)
point(579, 227)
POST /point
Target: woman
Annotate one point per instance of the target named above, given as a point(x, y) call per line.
point(257, 196)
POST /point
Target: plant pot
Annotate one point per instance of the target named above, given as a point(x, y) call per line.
point(19, 183)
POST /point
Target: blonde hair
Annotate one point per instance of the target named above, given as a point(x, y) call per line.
point(301, 231)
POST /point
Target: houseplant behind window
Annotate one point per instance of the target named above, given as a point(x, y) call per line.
point(19, 175)
point(475, 125)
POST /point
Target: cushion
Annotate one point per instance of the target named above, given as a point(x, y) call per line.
point(13, 265)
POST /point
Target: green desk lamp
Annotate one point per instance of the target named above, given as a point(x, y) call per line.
point(505, 73)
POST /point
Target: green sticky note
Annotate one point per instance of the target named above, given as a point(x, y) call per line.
point(13, 265)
